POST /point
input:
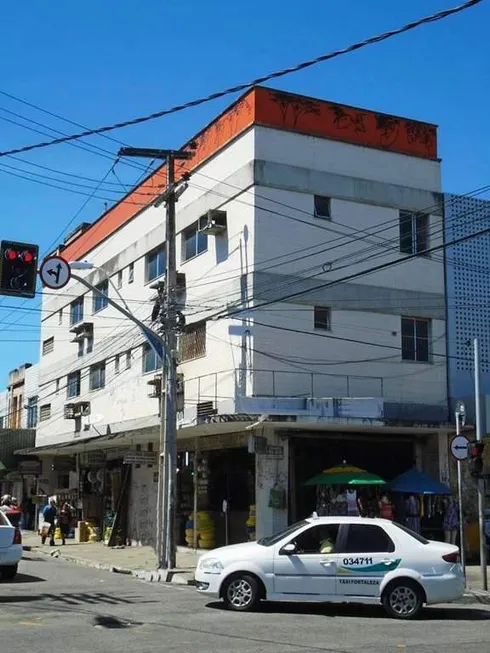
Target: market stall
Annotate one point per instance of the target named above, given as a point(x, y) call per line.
point(347, 490)
point(425, 505)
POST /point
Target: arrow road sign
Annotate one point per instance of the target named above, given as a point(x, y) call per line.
point(459, 447)
point(55, 272)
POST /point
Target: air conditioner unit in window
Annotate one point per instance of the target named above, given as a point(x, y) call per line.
point(69, 411)
point(216, 223)
point(84, 408)
point(155, 387)
point(82, 331)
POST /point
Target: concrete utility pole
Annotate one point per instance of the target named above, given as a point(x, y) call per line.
point(480, 481)
point(166, 517)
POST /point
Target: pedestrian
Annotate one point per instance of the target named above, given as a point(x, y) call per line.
point(49, 526)
point(6, 503)
point(66, 516)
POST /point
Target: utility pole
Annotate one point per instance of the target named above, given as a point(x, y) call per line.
point(166, 517)
point(480, 481)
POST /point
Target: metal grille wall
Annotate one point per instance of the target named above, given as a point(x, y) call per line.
point(192, 343)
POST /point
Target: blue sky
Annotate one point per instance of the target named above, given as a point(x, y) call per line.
point(97, 63)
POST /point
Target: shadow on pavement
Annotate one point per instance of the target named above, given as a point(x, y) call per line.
point(367, 611)
point(101, 621)
point(65, 599)
point(22, 578)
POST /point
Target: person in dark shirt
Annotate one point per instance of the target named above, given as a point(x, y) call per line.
point(49, 515)
point(66, 515)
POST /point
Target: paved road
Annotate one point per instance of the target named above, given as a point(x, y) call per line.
point(55, 607)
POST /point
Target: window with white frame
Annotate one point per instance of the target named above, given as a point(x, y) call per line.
point(76, 311)
point(116, 364)
point(128, 359)
point(48, 345)
point(151, 361)
point(414, 233)
point(100, 301)
point(31, 412)
point(194, 241)
point(97, 376)
point(131, 273)
point(415, 339)
point(73, 382)
point(155, 263)
point(119, 281)
point(323, 207)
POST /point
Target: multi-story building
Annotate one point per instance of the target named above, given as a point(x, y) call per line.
point(18, 416)
point(468, 294)
point(308, 341)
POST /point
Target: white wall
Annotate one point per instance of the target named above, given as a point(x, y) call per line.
point(4, 408)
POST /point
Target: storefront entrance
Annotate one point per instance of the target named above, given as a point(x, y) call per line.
point(386, 456)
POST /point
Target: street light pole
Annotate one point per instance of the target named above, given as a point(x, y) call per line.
point(166, 504)
point(480, 481)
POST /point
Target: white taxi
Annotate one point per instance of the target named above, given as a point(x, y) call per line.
point(10, 547)
point(338, 560)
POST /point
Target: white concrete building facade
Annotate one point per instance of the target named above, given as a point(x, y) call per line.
point(298, 304)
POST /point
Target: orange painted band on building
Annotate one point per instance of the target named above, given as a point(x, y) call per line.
point(278, 110)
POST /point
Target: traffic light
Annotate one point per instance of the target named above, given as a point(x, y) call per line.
point(476, 458)
point(18, 268)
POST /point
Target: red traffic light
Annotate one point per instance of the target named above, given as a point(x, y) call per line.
point(477, 449)
point(11, 254)
point(27, 257)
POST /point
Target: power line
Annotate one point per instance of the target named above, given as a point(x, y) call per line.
point(255, 82)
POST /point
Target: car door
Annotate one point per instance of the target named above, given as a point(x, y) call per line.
point(307, 571)
point(366, 554)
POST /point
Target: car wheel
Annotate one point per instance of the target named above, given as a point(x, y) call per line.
point(9, 572)
point(403, 599)
point(241, 593)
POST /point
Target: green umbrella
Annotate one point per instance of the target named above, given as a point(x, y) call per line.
point(345, 475)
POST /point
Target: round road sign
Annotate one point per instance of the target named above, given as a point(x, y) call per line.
point(460, 447)
point(55, 272)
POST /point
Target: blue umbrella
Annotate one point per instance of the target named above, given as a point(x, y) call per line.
point(415, 482)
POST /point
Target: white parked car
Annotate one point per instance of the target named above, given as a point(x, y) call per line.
point(338, 560)
point(10, 548)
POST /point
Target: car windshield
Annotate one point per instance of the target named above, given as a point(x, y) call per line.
point(274, 539)
point(413, 534)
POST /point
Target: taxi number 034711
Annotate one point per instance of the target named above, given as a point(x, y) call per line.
point(357, 561)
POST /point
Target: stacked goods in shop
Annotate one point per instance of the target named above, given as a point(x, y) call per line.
point(82, 531)
point(206, 537)
point(189, 531)
point(205, 530)
point(250, 524)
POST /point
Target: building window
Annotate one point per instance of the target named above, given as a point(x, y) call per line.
point(73, 384)
point(128, 359)
point(194, 241)
point(119, 279)
point(48, 345)
point(131, 273)
point(80, 348)
point(44, 412)
point(414, 232)
point(32, 412)
point(155, 263)
point(90, 344)
point(192, 343)
point(100, 301)
point(415, 339)
point(76, 311)
point(322, 318)
point(116, 364)
point(322, 207)
point(151, 361)
point(2, 422)
point(97, 376)
point(60, 316)
point(57, 386)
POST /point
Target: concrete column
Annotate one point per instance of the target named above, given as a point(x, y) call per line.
point(269, 471)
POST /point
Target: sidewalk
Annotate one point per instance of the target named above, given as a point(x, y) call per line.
point(139, 561)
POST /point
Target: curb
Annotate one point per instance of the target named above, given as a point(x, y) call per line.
point(158, 576)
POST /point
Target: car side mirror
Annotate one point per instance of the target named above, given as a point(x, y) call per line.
point(288, 549)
